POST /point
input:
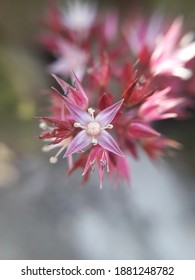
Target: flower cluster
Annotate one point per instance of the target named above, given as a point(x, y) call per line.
point(125, 75)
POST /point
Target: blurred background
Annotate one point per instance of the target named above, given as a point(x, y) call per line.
point(44, 214)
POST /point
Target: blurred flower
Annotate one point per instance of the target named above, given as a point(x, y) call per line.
point(155, 147)
point(79, 17)
point(161, 106)
point(172, 52)
point(70, 57)
point(141, 34)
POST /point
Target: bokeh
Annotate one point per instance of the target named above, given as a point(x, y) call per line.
point(46, 215)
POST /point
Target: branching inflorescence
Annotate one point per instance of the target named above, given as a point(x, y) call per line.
point(124, 77)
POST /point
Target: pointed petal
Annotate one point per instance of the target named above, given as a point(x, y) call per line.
point(78, 115)
point(93, 156)
point(106, 116)
point(142, 129)
point(183, 73)
point(124, 169)
point(83, 96)
point(80, 141)
point(172, 36)
point(107, 142)
point(78, 97)
point(61, 82)
point(186, 53)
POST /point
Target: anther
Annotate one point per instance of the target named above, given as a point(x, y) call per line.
point(53, 160)
point(91, 111)
point(43, 125)
point(77, 124)
point(94, 141)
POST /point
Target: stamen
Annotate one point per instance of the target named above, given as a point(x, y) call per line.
point(53, 160)
point(94, 141)
point(77, 125)
point(47, 148)
point(43, 125)
point(91, 112)
point(109, 126)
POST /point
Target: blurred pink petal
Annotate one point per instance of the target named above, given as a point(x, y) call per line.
point(139, 129)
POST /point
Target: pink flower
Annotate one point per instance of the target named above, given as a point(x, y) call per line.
point(93, 128)
point(69, 57)
point(79, 17)
point(141, 34)
point(143, 64)
point(161, 105)
point(172, 53)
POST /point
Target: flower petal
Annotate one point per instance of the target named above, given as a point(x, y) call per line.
point(107, 142)
point(83, 97)
point(139, 129)
point(78, 115)
point(106, 116)
point(80, 141)
point(93, 156)
point(61, 82)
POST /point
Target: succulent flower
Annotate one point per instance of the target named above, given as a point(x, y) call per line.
point(69, 57)
point(93, 128)
point(144, 64)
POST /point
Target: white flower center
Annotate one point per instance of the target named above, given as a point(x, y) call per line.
point(93, 129)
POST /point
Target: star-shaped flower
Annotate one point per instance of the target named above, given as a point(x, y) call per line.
point(93, 128)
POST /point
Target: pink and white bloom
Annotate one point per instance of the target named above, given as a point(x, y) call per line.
point(110, 26)
point(69, 57)
point(172, 52)
point(79, 17)
point(143, 63)
point(94, 129)
point(161, 105)
point(141, 35)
